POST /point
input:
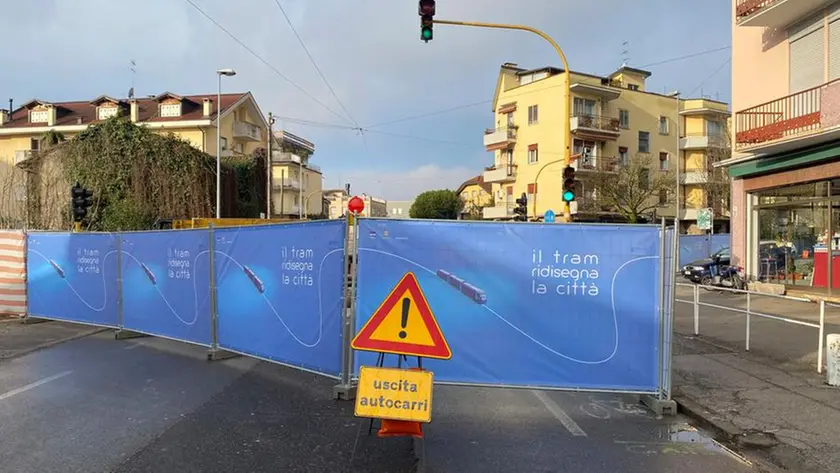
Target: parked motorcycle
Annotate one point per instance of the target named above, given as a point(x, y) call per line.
point(723, 275)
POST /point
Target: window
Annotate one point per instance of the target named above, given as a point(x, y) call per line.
point(533, 154)
point(104, 113)
point(807, 54)
point(663, 196)
point(714, 128)
point(632, 86)
point(579, 146)
point(224, 143)
point(532, 189)
point(644, 179)
point(663, 161)
point(623, 157)
point(644, 142)
point(39, 116)
point(510, 120)
point(34, 144)
point(624, 119)
point(663, 125)
point(533, 115)
point(584, 107)
point(170, 110)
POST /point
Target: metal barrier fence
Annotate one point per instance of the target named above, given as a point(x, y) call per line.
point(749, 312)
point(570, 307)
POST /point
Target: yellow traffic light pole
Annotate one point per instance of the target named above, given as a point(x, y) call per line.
point(567, 116)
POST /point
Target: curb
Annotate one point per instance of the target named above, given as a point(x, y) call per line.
point(53, 343)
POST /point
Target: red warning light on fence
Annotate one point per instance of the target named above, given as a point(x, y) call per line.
point(356, 205)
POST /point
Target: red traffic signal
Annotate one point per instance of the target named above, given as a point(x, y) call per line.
point(356, 205)
point(426, 7)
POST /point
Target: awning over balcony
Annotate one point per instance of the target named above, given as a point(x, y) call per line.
point(606, 93)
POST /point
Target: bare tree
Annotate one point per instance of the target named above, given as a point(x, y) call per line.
point(633, 189)
point(715, 181)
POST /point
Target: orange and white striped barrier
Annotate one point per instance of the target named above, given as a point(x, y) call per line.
point(12, 272)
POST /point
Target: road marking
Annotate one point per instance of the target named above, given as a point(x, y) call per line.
point(33, 385)
point(132, 346)
point(560, 414)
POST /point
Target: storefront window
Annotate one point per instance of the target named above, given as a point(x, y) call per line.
point(794, 233)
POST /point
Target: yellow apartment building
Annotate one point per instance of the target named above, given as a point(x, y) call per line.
point(337, 203)
point(476, 194)
point(704, 141)
point(615, 117)
point(191, 117)
point(296, 182)
point(785, 167)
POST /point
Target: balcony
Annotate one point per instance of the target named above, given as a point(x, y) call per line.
point(503, 211)
point(702, 141)
point(775, 13)
point(807, 118)
point(596, 127)
point(694, 177)
point(499, 138)
point(596, 164)
point(500, 174)
point(287, 184)
point(279, 157)
point(247, 131)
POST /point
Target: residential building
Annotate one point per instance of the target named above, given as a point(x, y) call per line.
point(785, 167)
point(190, 117)
point(296, 182)
point(338, 198)
point(476, 194)
point(615, 118)
point(704, 141)
point(398, 208)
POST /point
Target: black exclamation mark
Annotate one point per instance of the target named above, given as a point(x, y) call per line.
point(404, 322)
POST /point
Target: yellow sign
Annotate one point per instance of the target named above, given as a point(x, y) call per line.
point(396, 394)
point(404, 325)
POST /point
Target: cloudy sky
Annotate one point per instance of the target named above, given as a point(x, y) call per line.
point(371, 54)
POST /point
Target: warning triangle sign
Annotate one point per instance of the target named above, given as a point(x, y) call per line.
point(404, 325)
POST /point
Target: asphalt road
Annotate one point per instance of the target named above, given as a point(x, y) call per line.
point(152, 405)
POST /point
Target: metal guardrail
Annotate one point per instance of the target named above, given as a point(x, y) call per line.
point(749, 313)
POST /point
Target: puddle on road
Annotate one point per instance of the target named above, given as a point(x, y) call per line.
point(680, 439)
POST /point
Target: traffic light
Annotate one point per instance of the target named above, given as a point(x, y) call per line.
point(426, 10)
point(521, 210)
point(568, 184)
point(81, 199)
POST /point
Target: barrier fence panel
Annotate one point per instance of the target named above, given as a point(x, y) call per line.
point(554, 306)
point(280, 292)
point(697, 247)
point(73, 277)
point(671, 244)
point(166, 284)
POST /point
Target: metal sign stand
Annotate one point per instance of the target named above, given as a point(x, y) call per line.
point(215, 353)
point(345, 390)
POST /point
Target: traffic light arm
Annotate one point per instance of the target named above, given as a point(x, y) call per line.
point(567, 116)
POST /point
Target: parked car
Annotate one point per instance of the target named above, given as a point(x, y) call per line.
point(699, 272)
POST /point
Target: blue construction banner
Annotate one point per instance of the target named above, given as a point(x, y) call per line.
point(280, 292)
point(166, 284)
point(556, 306)
point(73, 277)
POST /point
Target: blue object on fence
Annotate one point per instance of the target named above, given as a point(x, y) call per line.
point(566, 306)
point(549, 216)
point(697, 247)
point(72, 277)
point(280, 292)
point(166, 284)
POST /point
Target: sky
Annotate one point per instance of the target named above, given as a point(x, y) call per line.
point(372, 57)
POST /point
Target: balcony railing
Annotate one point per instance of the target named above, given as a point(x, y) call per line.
point(498, 138)
point(247, 131)
point(500, 174)
point(595, 125)
point(788, 117)
point(502, 211)
point(703, 140)
point(745, 8)
point(597, 164)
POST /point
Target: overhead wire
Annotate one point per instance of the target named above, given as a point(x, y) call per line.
point(265, 62)
point(687, 56)
point(314, 63)
point(714, 73)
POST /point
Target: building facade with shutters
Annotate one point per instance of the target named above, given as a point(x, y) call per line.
point(785, 166)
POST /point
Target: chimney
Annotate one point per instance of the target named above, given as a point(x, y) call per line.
point(4, 117)
point(51, 115)
point(208, 107)
point(135, 110)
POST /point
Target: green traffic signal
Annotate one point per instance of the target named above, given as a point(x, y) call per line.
point(426, 33)
point(568, 196)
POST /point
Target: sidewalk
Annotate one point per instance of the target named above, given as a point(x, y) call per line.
point(770, 401)
point(17, 338)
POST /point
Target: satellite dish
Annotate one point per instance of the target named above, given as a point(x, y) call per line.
point(131, 93)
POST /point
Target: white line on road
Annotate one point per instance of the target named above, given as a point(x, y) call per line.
point(33, 385)
point(134, 345)
point(560, 414)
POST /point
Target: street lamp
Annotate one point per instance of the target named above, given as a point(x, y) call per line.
point(676, 95)
point(220, 73)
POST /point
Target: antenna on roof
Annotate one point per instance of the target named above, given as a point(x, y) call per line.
point(131, 93)
point(625, 53)
point(132, 66)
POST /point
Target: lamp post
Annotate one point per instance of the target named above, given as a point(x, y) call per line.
point(676, 95)
point(220, 73)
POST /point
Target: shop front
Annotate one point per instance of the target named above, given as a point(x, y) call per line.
point(786, 218)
